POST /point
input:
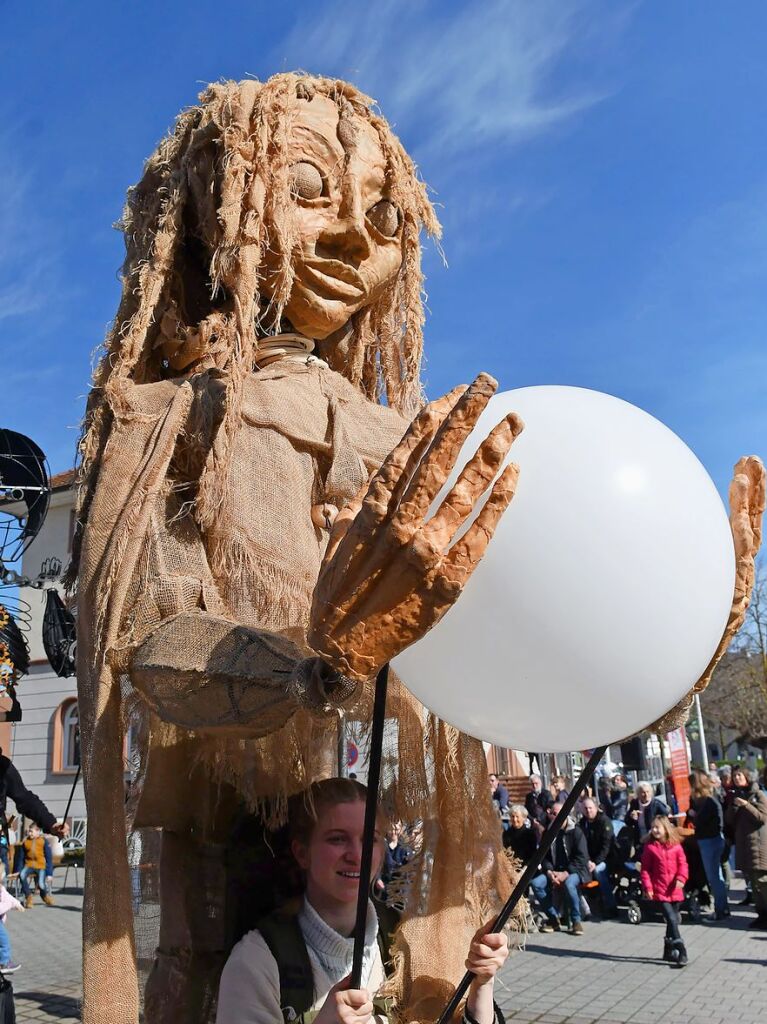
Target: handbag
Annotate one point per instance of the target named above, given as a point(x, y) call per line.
point(7, 1005)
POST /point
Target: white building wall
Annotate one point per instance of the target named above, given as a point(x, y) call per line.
point(41, 693)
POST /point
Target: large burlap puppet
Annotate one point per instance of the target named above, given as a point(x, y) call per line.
point(271, 306)
point(239, 579)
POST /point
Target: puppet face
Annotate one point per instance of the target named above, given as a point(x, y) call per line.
point(350, 232)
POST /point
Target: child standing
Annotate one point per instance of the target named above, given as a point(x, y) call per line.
point(664, 872)
point(37, 861)
point(7, 902)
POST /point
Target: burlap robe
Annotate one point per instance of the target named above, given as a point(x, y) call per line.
point(217, 610)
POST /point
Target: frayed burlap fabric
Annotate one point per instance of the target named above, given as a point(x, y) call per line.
point(194, 632)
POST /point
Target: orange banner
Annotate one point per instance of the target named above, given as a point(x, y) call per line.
point(680, 767)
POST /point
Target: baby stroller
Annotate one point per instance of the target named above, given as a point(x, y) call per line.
point(629, 887)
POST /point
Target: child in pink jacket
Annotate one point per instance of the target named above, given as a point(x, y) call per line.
point(7, 902)
point(664, 872)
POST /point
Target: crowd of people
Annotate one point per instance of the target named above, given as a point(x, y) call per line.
point(612, 829)
point(29, 858)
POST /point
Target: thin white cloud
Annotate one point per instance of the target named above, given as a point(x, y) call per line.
point(25, 254)
point(491, 73)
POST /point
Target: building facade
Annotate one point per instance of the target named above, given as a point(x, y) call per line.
point(45, 745)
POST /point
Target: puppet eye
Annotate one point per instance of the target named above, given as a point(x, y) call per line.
point(306, 182)
point(385, 217)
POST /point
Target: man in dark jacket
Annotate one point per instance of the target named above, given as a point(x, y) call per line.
point(537, 802)
point(31, 806)
point(563, 869)
point(598, 830)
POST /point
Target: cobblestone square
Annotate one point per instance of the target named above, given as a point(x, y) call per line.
point(612, 974)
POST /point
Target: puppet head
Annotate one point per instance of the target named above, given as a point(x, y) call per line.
point(288, 205)
point(282, 206)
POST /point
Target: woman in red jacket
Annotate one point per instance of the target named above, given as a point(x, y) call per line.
point(664, 872)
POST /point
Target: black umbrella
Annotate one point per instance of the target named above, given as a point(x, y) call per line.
point(59, 635)
point(24, 485)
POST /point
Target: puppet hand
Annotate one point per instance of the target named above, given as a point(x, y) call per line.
point(388, 576)
point(345, 1005)
point(747, 497)
point(487, 954)
point(60, 830)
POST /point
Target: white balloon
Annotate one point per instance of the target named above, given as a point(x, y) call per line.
point(604, 592)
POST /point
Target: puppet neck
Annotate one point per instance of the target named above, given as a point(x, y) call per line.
point(293, 347)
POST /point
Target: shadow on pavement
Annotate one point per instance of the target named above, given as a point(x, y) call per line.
point(744, 960)
point(591, 955)
point(51, 1003)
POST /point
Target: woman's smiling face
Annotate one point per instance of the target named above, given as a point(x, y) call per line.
point(333, 855)
point(350, 232)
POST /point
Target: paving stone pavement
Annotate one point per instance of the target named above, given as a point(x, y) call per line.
point(46, 941)
point(613, 974)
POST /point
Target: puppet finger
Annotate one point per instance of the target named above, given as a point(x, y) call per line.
point(473, 481)
point(464, 555)
point(435, 466)
point(391, 480)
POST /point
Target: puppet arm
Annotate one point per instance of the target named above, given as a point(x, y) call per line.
point(390, 572)
point(210, 674)
point(747, 497)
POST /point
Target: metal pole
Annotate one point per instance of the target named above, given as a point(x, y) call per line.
point(547, 841)
point(702, 731)
point(368, 836)
point(72, 793)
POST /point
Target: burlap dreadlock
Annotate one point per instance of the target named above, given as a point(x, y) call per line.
point(214, 200)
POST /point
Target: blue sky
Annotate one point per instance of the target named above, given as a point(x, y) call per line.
point(601, 169)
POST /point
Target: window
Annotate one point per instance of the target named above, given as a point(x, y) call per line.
point(70, 729)
point(66, 737)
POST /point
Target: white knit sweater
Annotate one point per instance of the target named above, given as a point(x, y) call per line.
point(250, 984)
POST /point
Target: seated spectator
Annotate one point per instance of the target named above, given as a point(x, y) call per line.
point(598, 830)
point(642, 811)
point(557, 788)
point(563, 869)
point(537, 802)
point(37, 860)
point(520, 836)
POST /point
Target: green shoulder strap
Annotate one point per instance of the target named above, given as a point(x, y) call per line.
point(286, 944)
point(282, 935)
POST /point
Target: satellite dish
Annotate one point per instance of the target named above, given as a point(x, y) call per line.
point(25, 485)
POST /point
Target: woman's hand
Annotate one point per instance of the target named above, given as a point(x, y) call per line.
point(344, 1005)
point(389, 573)
point(488, 952)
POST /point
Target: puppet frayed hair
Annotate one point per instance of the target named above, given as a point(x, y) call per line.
point(215, 196)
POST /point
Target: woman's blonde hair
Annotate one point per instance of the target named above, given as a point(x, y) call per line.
point(701, 784)
point(671, 831)
point(214, 198)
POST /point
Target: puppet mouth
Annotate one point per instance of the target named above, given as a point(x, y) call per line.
point(332, 279)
